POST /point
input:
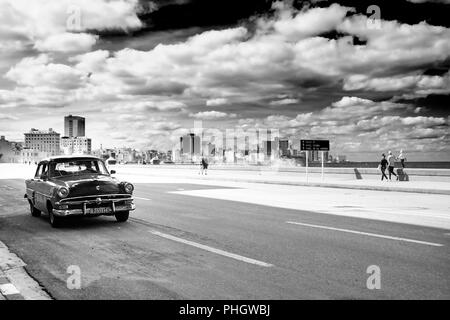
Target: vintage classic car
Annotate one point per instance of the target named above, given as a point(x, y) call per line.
point(65, 186)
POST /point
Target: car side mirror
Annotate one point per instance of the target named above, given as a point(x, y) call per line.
point(113, 171)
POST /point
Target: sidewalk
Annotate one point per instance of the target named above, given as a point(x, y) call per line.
point(289, 178)
point(263, 175)
point(15, 282)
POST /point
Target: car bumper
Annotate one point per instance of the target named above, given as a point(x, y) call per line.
point(84, 211)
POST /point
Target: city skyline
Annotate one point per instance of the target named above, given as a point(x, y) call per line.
point(309, 69)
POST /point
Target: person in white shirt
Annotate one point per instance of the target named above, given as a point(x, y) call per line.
point(391, 163)
point(402, 158)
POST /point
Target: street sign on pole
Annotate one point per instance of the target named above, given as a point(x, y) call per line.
point(315, 145)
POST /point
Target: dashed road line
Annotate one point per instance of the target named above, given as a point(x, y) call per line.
point(367, 234)
point(140, 198)
point(211, 249)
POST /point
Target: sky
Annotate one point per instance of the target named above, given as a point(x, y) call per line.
point(369, 76)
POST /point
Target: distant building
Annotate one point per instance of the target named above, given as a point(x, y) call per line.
point(125, 155)
point(169, 156)
point(190, 144)
point(76, 145)
point(267, 146)
point(31, 156)
point(176, 156)
point(314, 156)
point(75, 140)
point(283, 146)
point(208, 149)
point(74, 126)
point(9, 151)
point(46, 142)
point(270, 148)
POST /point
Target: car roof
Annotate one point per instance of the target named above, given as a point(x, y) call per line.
point(67, 157)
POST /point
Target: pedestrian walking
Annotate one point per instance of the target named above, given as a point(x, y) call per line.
point(402, 158)
point(391, 164)
point(382, 166)
point(205, 166)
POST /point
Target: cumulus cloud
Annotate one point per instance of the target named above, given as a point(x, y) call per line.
point(409, 85)
point(67, 42)
point(307, 23)
point(40, 71)
point(212, 115)
point(360, 124)
point(284, 102)
point(56, 25)
point(435, 1)
point(91, 61)
point(216, 102)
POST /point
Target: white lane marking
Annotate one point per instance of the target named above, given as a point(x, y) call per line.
point(366, 234)
point(8, 288)
point(139, 198)
point(213, 250)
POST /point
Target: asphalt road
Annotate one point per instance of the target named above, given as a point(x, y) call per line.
point(182, 247)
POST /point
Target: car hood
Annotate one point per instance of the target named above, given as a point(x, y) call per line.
point(89, 185)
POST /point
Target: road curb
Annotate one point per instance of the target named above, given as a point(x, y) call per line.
point(15, 282)
point(316, 184)
point(9, 290)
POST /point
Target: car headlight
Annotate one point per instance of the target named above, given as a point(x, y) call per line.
point(63, 192)
point(128, 187)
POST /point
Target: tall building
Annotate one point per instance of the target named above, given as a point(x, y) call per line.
point(74, 126)
point(267, 147)
point(283, 145)
point(190, 144)
point(44, 141)
point(75, 140)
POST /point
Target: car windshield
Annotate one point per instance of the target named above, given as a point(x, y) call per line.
point(77, 167)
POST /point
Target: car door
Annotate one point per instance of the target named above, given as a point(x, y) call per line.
point(31, 185)
point(39, 187)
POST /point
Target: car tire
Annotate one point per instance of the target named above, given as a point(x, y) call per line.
point(55, 221)
point(122, 216)
point(34, 212)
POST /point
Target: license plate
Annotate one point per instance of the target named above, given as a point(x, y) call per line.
point(101, 210)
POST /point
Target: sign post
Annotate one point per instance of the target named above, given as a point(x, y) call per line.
point(322, 165)
point(306, 165)
point(314, 145)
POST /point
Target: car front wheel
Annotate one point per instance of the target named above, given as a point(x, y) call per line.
point(55, 221)
point(122, 216)
point(34, 212)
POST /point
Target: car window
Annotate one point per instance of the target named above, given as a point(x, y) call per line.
point(42, 169)
point(78, 167)
point(38, 171)
point(45, 169)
